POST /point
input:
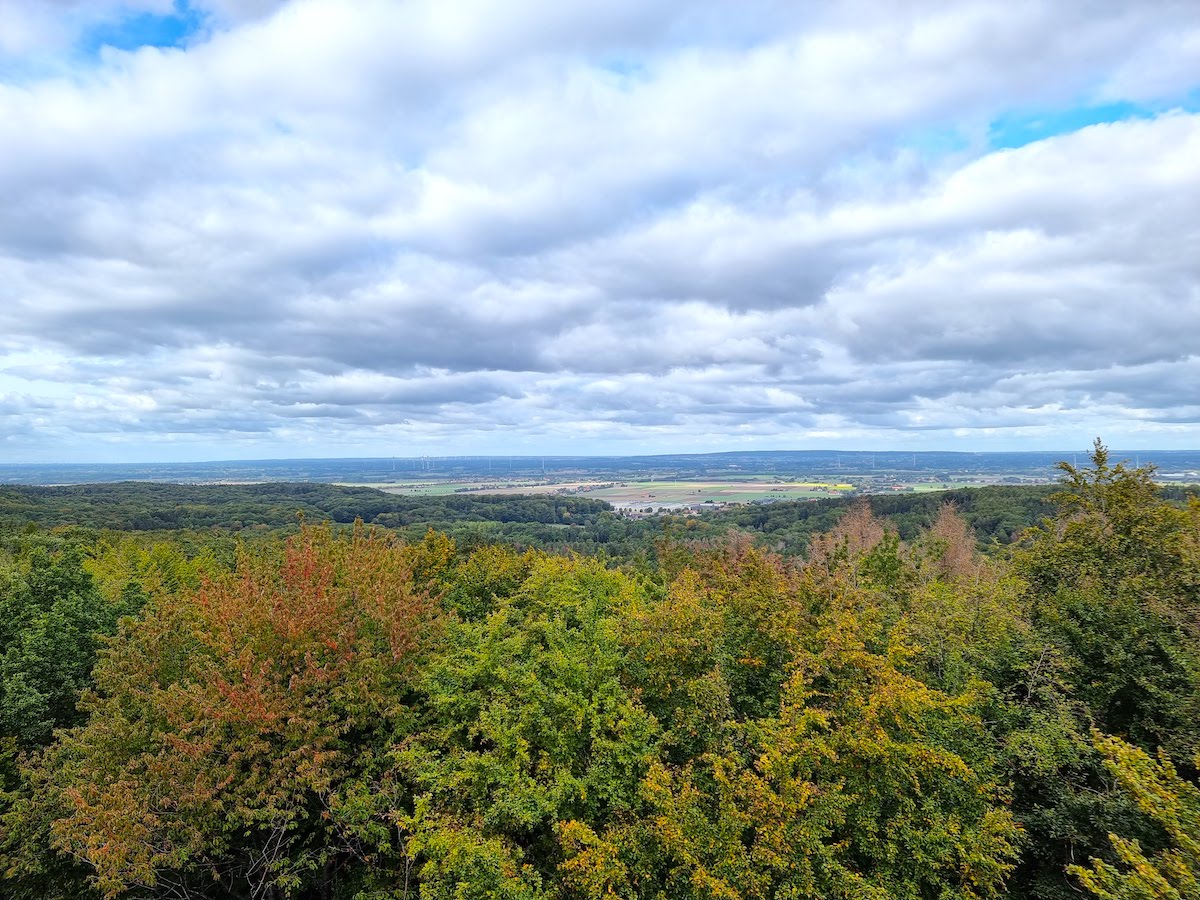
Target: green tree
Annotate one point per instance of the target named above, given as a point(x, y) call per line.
point(1111, 587)
point(51, 618)
point(530, 734)
point(1115, 586)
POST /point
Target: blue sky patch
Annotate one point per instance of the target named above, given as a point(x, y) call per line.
point(144, 30)
point(1021, 127)
point(935, 143)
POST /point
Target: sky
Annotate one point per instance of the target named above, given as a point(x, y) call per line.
point(236, 229)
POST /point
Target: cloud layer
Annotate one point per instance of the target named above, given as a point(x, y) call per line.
point(320, 228)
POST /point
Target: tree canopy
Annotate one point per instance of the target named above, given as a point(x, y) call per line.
point(339, 713)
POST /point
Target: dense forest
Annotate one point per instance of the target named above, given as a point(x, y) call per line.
point(140, 506)
point(553, 523)
point(984, 694)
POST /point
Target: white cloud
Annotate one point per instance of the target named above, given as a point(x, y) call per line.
point(482, 224)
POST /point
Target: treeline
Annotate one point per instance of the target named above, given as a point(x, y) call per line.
point(138, 506)
point(996, 514)
point(340, 713)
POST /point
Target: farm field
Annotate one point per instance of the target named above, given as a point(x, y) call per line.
point(427, 488)
point(643, 494)
point(674, 494)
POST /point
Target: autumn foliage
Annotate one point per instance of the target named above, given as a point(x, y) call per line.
point(233, 726)
point(345, 715)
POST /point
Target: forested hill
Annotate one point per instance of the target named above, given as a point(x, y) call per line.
point(141, 506)
point(996, 513)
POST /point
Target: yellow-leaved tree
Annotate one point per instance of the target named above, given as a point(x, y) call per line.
point(1174, 803)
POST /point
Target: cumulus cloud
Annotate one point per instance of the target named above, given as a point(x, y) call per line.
point(323, 228)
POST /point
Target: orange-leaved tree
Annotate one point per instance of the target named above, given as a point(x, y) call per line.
point(236, 731)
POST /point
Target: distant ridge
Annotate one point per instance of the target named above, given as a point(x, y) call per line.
point(385, 469)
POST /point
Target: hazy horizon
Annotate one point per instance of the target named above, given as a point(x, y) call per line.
point(1077, 454)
